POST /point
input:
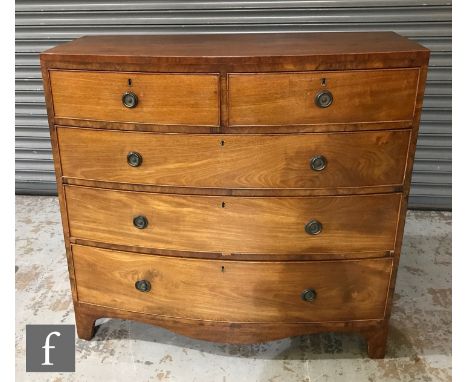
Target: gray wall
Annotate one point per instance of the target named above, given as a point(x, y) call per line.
point(41, 24)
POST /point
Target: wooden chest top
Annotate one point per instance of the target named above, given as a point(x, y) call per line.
point(313, 51)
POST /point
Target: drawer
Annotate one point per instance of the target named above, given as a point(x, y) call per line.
point(164, 99)
point(290, 98)
point(357, 159)
point(232, 290)
point(234, 224)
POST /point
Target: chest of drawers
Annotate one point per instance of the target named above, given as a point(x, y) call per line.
point(235, 188)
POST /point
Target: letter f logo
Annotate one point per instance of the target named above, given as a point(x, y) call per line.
point(47, 347)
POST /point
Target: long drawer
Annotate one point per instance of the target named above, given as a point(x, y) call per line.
point(322, 97)
point(359, 159)
point(263, 225)
point(165, 99)
point(231, 290)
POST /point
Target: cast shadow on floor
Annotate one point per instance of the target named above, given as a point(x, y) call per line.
point(315, 346)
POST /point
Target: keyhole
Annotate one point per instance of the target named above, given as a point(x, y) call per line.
point(324, 82)
point(221, 143)
point(222, 268)
point(129, 82)
point(223, 204)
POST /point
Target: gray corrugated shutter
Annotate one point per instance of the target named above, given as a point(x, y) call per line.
point(41, 24)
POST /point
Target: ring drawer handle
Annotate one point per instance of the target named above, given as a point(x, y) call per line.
point(134, 159)
point(130, 100)
point(323, 98)
point(318, 163)
point(140, 222)
point(143, 285)
point(309, 295)
point(314, 227)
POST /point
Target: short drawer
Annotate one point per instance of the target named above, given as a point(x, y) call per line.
point(163, 99)
point(234, 224)
point(322, 97)
point(231, 290)
point(359, 159)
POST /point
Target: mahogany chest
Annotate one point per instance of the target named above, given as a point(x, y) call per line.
point(235, 188)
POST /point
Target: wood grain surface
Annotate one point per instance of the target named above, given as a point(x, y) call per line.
point(223, 332)
point(234, 191)
point(167, 99)
point(236, 161)
point(233, 291)
point(288, 98)
point(237, 256)
point(239, 52)
point(234, 224)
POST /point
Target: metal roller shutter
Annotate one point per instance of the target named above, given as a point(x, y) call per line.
point(41, 24)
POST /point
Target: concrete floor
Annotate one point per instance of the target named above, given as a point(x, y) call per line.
point(419, 347)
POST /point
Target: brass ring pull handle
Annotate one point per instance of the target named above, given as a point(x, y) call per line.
point(309, 295)
point(140, 222)
point(134, 159)
point(143, 285)
point(314, 227)
point(323, 98)
point(130, 100)
point(318, 163)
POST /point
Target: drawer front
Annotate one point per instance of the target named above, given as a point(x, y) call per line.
point(289, 98)
point(165, 99)
point(236, 161)
point(231, 290)
point(234, 224)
